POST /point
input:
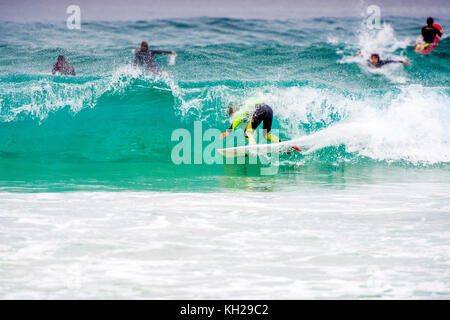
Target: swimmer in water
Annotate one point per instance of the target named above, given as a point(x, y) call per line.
point(63, 66)
point(376, 62)
point(144, 58)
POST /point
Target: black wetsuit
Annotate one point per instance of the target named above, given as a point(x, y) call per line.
point(145, 59)
point(382, 63)
point(259, 112)
point(263, 113)
point(429, 33)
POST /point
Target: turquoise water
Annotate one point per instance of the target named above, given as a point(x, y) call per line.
point(111, 126)
point(92, 205)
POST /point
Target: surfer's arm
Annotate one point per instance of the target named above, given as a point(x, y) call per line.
point(396, 61)
point(232, 127)
point(235, 123)
point(401, 61)
point(163, 52)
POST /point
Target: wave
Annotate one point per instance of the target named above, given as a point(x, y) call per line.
point(324, 97)
point(36, 97)
point(409, 124)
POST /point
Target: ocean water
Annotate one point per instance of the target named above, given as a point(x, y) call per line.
point(92, 204)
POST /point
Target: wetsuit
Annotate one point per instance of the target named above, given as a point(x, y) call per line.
point(429, 33)
point(64, 67)
point(258, 113)
point(383, 62)
point(145, 59)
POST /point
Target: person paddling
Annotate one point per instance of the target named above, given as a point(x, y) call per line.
point(144, 58)
point(63, 66)
point(431, 34)
point(431, 31)
point(376, 62)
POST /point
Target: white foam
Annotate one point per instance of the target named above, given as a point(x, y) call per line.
point(344, 243)
point(45, 96)
point(383, 42)
point(413, 125)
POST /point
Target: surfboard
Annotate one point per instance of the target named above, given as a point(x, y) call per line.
point(426, 48)
point(258, 149)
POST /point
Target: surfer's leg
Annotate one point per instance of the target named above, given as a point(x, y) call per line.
point(257, 118)
point(249, 133)
point(267, 125)
point(272, 138)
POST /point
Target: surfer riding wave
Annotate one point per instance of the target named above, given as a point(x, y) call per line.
point(257, 113)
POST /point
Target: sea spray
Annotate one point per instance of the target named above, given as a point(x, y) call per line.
point(116, 117)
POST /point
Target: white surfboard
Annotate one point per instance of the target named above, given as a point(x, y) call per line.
point(257, 149)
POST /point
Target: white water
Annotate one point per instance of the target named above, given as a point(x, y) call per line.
point(389, 240)
point(383, 42)
point(412, 125)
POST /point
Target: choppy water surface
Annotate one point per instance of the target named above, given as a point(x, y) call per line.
point(92, 206)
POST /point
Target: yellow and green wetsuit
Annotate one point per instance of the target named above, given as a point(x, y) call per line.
point(255, 112)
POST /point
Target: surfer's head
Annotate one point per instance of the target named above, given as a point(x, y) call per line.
point(430, 21)
point(144, 45)
point(374, 58)
point(60, 58)
point(232, 109)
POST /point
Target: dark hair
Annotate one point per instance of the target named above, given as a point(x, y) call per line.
point(430, 21)
point(375, 55)
point(60, 58)
point(144, 44)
